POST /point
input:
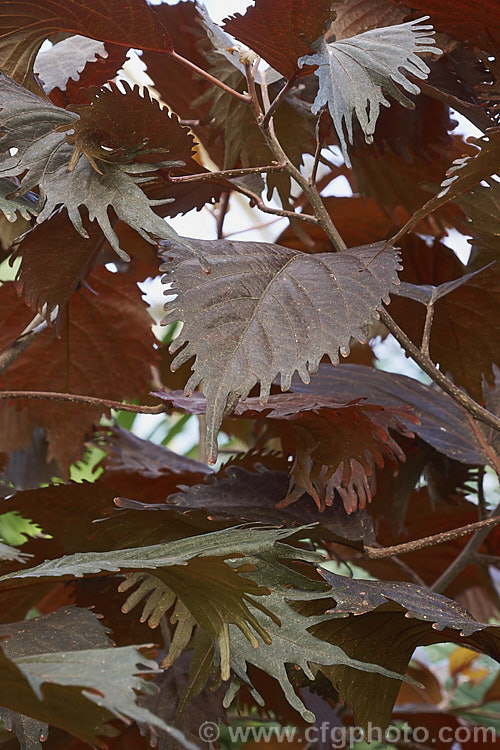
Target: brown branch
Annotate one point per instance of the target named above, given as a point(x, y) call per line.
point(376, 553)
point(277, 100)
point(426, 335)
point(204, 74)
point(310, 191)
point(256, 200)
point(9, 355)
point(105, 403)
point(468, 554)
point(437, 376)
point(224, 174)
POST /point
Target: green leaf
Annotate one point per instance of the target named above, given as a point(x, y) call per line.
point(14, 529)
point(291, 640)
point(61, 669)
point(353, 73)
point(43, 158)
point(265, 310)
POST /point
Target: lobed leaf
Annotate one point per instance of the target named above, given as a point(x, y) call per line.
point(352, 73)
point(24, 206)
point(335, 445)
point(25, 24)
point(66, 60)
point(265, 310)
point(43, 159)
point(388, 621)
point(61, 669)
point(441, 422)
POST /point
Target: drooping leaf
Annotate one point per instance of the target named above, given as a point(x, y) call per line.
point(43, 158)
point(25, 24)
point(93, 327)
point(292, 641)
point(352, 73)
point(281, 31)
point(389, 621)
point(477, 24)
point(253, 496)
point(25, 206)
point(442, 423)
point(335, 445)
point(252, 328)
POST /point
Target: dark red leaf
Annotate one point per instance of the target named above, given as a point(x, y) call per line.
point(151, 134)
point(477, 23)
point(281, 31)
point(56, 259)
point(25, 24)
point(104, 323)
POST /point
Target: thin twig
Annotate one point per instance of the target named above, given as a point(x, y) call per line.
point(105, 403)
point(319, 145)
point(224, 174)
point(484, 559)
point(437, 376)
point(310, 191)
point(277, 100)
point(204, 74)
point(469, 552)
point(426, 335)
point(256, 200)
point(376, 553)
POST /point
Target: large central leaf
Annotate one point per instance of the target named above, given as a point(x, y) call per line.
point(353, 73)
point(266, 310)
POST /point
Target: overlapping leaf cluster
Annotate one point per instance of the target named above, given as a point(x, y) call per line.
point(164, 593)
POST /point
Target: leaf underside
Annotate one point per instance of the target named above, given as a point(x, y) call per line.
point(354, 72)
